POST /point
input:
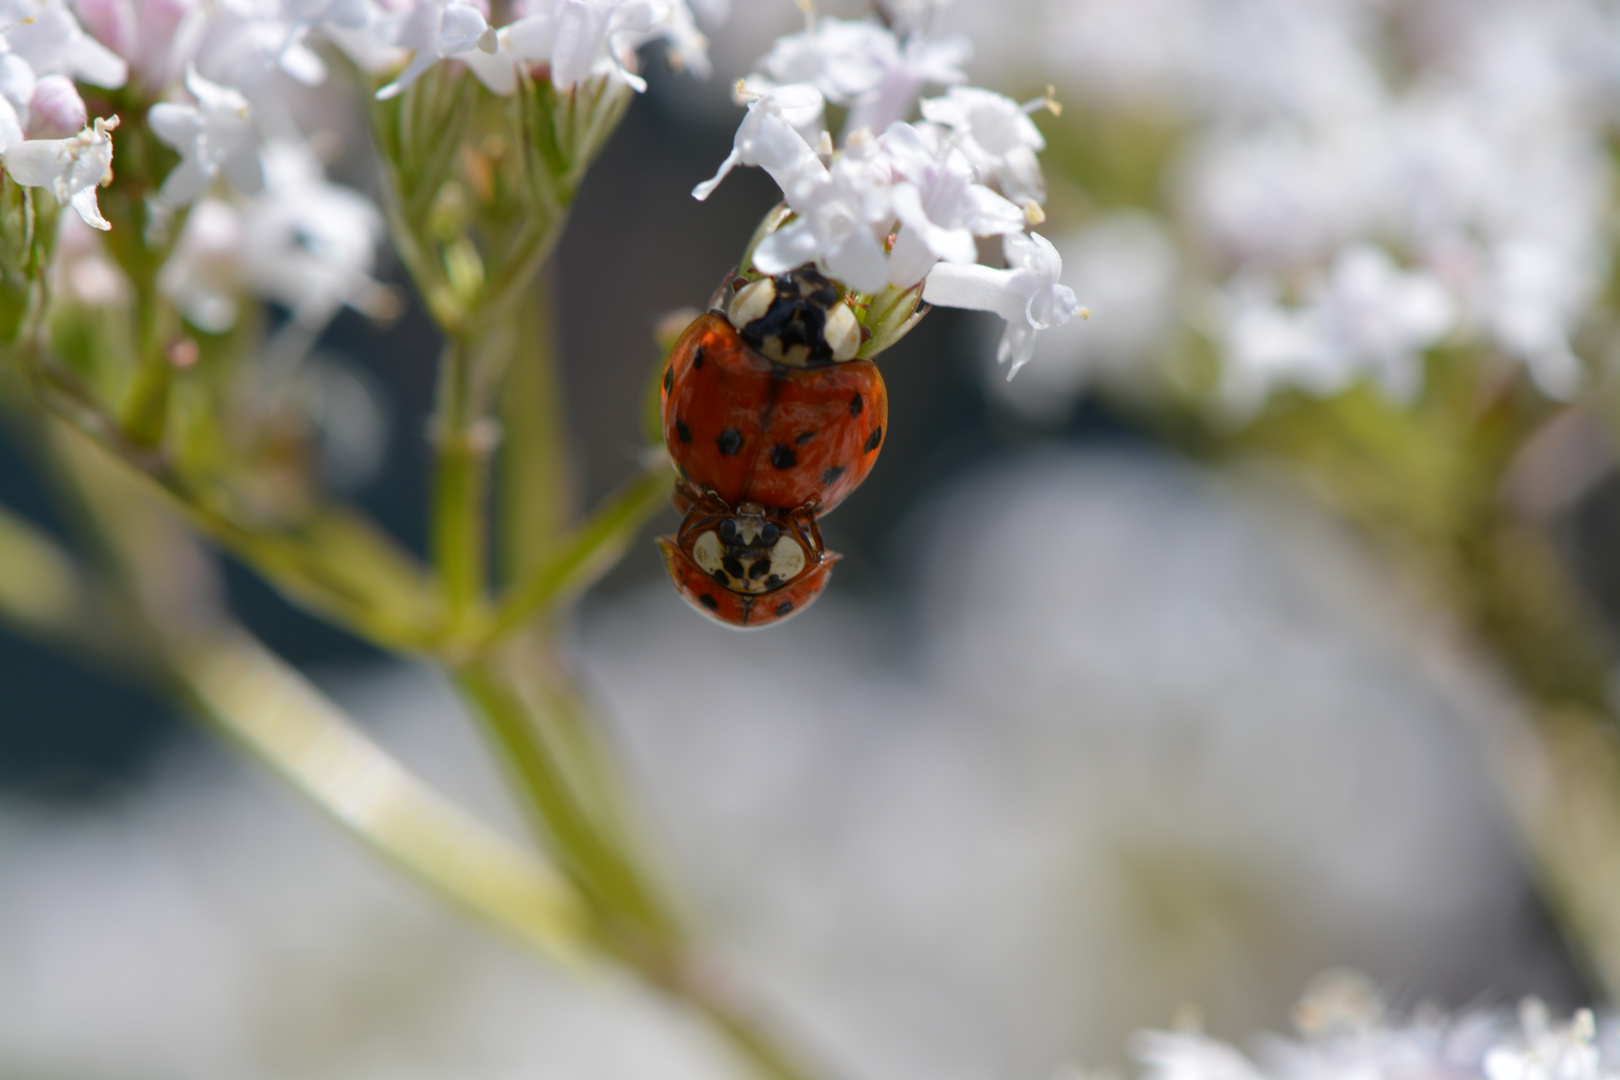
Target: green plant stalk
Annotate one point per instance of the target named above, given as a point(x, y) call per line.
point(539, 740)
point(543, 734)
point(534, 482)
point(463, 437)
point(563, 568)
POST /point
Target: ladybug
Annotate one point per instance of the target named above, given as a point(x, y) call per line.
point(769, 419)
point(747, 567)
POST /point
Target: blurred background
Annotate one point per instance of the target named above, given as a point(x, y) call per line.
point(1089, 729)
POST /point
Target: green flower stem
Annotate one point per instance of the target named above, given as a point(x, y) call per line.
point(464, 436)
point(572, 561)
point(752, 1040)
point(537, 727)
point(275, 715)
point(534, 481)
point(542, 731)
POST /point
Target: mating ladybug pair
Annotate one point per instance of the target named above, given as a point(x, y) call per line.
point(771, 422)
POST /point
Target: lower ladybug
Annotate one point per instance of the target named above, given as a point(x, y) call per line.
point(765, 407)
point(746, 567)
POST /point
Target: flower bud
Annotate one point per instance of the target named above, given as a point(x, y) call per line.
point(55, 110)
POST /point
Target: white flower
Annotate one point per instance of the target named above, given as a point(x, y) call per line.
point(17, 80)
point(839, 57)
point(1127, 266)
point(576, 41)
point(843, 212)
point(303, 242)
point(1549, 1051)
point(1533, 297)
point(216, 135)
point(49, 38)
point(433, 31)
point(770, 138)
point(71, 168)
point(1367, 317)
point(203, 274)
point(998, 137)
point(1265, 345)
point(1027, 293)
point(308, 244)
point(1379, 318)
point(918, 63)
point(939, 206)
point(864, 66)
point(1169, 1055)
point(11, 132)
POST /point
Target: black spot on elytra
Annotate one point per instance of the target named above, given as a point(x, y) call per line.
point(709, 602)
point(697, 358)
point(733, 567)
point(856, 405)
point(729, 442)
point(773, 581)
point(721, 578)
point(757, 571)
point(682, 431)
point(784, 608)
point(875, 440)
point(669, 378)
point(802, 439)
point(832, 474)
point(783, 458)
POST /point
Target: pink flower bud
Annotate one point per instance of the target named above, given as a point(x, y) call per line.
point(55, 110)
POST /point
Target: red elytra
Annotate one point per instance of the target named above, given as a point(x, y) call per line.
point(752, 430)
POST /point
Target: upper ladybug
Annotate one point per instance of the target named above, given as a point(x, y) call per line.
point(766, 404)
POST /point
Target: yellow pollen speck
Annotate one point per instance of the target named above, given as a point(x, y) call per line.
point(1052, 104)
point(1033, 212)
point(1085, 313)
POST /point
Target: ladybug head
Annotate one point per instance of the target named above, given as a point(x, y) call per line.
point(797, 318)
point(749, 567)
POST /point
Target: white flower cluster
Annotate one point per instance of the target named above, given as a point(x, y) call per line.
point(1465, 144)
point(44, 140)
point(900, 203)
point(1484, 173)
point(265, 220)
point(1345, 1034)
